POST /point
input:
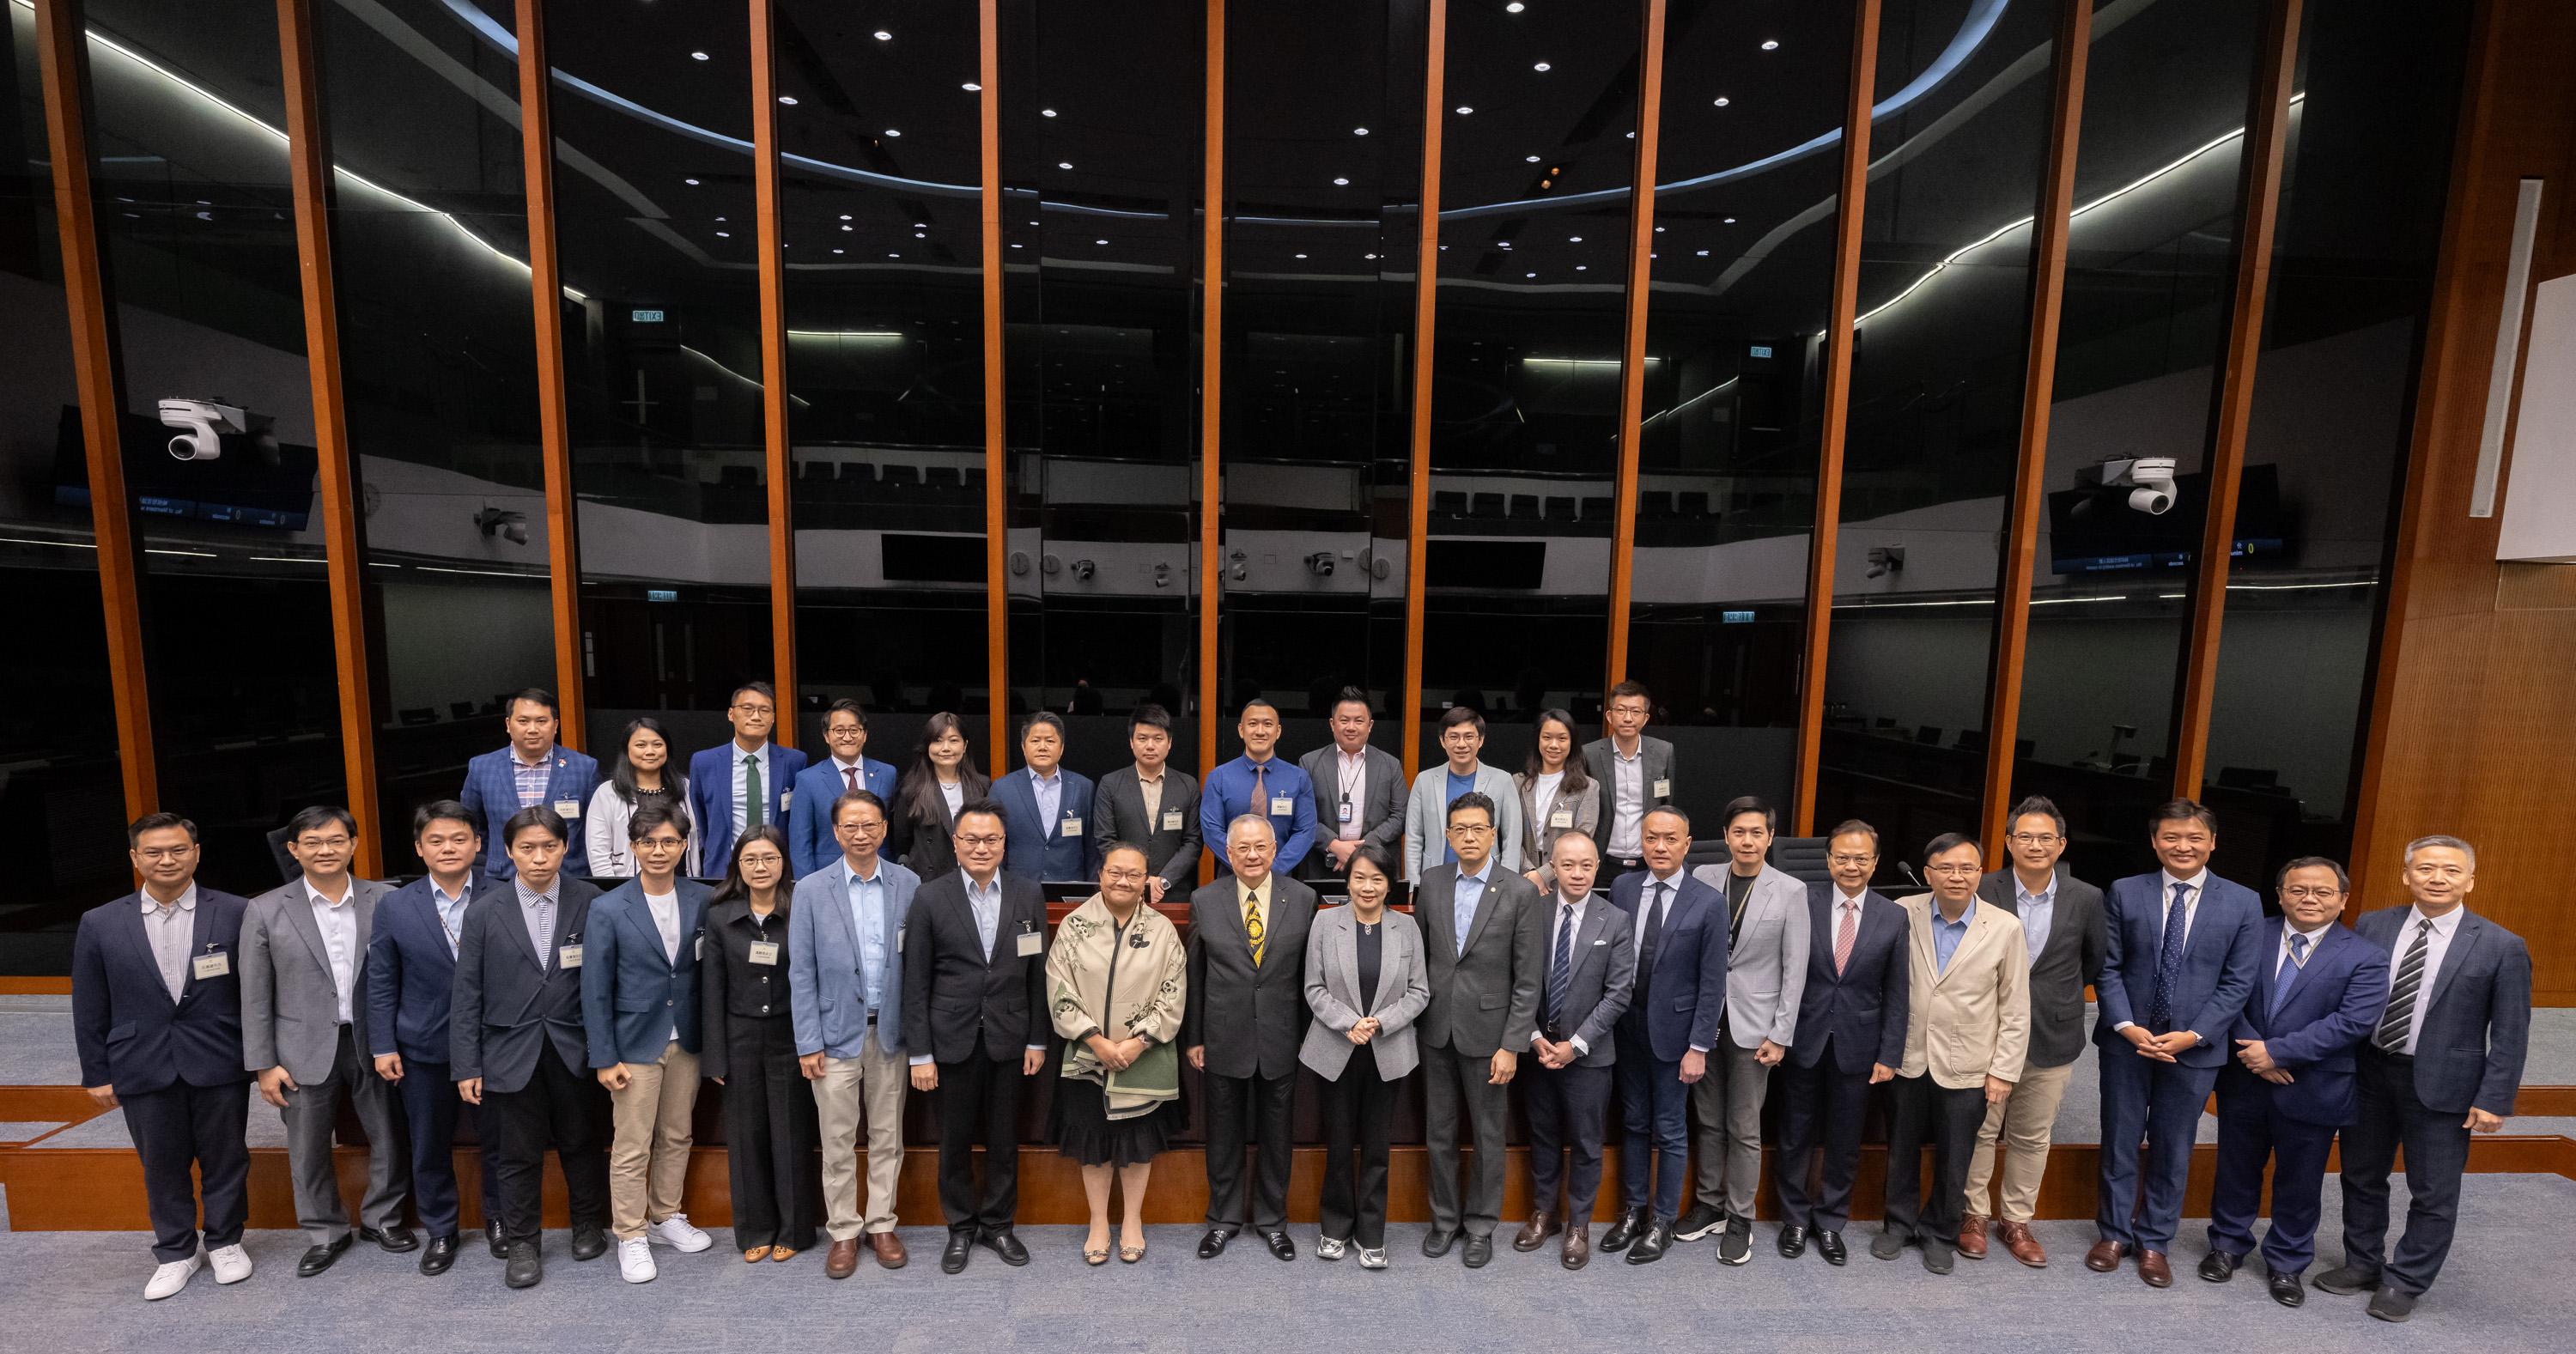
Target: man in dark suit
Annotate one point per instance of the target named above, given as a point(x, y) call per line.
point(2291, 1082)
point(1851, 1036)
point(2178, 964)
point(2061, 921)
point(811, 845)
point(531, 771)
point(411, 978)
point(1359, 791)
point(1678, 936)
point(1591, 969)
point(974, 1022)
point(156, 1016)
point(1150, 804)
point(2444, 1061)
point(1245, 1018)
point(1636, 775)
point(1046, 808)
point(516, 1044)
point(745, 782)
point(1481, 936)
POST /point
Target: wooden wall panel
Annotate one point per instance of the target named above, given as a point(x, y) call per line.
point(1426, 312)
point(554, 429)
point(1632, 353)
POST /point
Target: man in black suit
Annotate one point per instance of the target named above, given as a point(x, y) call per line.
point(2444, 1062)
point(1359, 791)
point(974, 997)
point(1851, 1036)
point(517, 1047)
point(156, 1016)
point(1245, 1018)
point(1591, 968)
point(1151, 804)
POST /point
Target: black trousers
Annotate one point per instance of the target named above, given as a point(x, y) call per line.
point(770, 1134)
point(1569, 1109)
point(1358, 1110)
point(430, 1110)
point(1255, 1111)
point(568, 1107)
point(979, 1101)
point(2437, 1151)
point(182, 1126)
point(1927, 1111)
point(1821, 1110)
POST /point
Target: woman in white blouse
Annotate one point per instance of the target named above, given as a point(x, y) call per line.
point(641, 773)
point(1557, 796)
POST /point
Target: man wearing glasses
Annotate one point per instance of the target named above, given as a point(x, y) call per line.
point(742, 784)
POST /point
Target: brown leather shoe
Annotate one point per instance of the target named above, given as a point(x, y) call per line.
point(2152, 1268)
point(2024, 1247)
point(1535, 1232)
point(2105, 1256)
point(1578, 1246)
point(842, 1260)
point(1972, 1236)
point(889, 1248)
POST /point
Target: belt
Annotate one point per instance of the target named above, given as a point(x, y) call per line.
point(1627, 862)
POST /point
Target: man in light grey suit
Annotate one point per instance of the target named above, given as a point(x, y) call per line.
point(303, 970)
point(1427, 834)
point(1591, 968)
point(1766, 974)
point(1481, 932)
point(1359, 791)
point(1636, 775)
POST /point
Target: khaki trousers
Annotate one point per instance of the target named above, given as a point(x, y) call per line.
point(874, 1081)
point(2022, 1124)
point(648, 1156)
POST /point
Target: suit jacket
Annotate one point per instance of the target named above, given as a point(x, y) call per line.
point(129, 1033)
point(1484, 996)
point(289, 1003)
point(2477, 1021)
point(508, 1005)
point(411, 974)
point(2069, 961)
point(924, 847)
point(2220, 954)
point(1656, 758)
point(2312, 1021)
point(827, 989)
point(1426, 819)
point(953, 990)
point(1250, 1019)
point(1379, 808)
point(634, 997)
point(1118, 815)
point(1766, 960)
point(810, 843)
point(1601, 970)
point(1538, 839)
point(711, 798)
point(1333, 993)
point(1860, 1014)
point(1686, 992)
point(492, 793)
point(1047, 852)
point(1971, 1020)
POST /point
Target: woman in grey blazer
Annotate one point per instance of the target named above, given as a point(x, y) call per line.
point(1366, 981)
point(1558, 796)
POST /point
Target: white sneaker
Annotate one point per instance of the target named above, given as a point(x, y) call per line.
point(172, 1276)
point(675, 1232)
point(635, 1260)
point(232, 1263)
point(1372, 1259)
point(1329, 1248)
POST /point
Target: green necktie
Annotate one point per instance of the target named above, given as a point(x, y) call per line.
point(753, 801)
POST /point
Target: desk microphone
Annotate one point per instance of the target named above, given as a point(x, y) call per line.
point(1906, 869)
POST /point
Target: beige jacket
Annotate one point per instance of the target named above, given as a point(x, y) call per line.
point(1971, 1020)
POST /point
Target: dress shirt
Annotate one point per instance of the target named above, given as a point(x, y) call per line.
point(1048, 790)
point(1627, 800)
point(2164, 907)
point(339, 923)
point(541, 926)
point(531, 780)
point(985, 901)
point(866, 893)
point(2038, 911)
point(1350, 772)
point(1247, 901)
point(451, 911)
point(1149, 790)
point(768, 783)
point(1561, 920)
point(2436, 945)
point(1470, 891)
point(2281, 963)
point(171, 928)
point(1657, 896)
point(854, 775)
point(665, 908)
point(1947, 934)
point(1543, 798)
point(1458, 785)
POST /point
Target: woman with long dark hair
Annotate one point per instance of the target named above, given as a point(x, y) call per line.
point(941, 779)
point(641, 773)
point(748, 1046)
point(1558, 795)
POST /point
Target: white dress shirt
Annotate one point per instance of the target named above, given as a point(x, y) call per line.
point(2281, 964)
point(2164, 907)
point(1351, 772)
point(2436, 945)
point(768, 782)
point(171, 929)
point(339, 923)
point(1657, 897)
point(1627, 800)
point(1560, 921)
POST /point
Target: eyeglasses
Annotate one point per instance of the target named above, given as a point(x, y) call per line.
point(1123, 876)
point(1851, 860)
point(749, 709)
point(978, 841)
point(1953, 871)
point(2034, 839)
point(765, 860)
point(1468, 829)
point(166, 852)
point(662, 843)
point(323, 843)
point(2304, 895)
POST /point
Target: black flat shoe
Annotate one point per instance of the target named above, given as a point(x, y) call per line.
point(523, 1267)
point(1889, 1245)
point(1435, 1243)
point(440, 1256)
point(1650, 1247)
point(492, 1238)
point(2219, 1266)
point(2345, 1280)
point(1213, 1244)
point(1830, 1246)
point(2285, 1288)
point(397, 1238)
point(1002, 1242)
point(952, 1257)
point(1631, 1225)
point(322, 1257)
point(1793, 1242)
point(1280, 1245)
point(589, 1241)
point(1938, 1258)
point(2390, 1305)
point(1478, 1252)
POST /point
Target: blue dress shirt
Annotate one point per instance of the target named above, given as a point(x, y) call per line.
point(1458, 785)
point(1947, 934)
point(1462, 904)
point(867, 922)
point(2037, 911)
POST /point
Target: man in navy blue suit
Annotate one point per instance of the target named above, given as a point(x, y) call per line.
point(530, 772)
point(2444, 1061)
point(811, 845)
point(156, 1016)
point(1663, 1038)
point(2290, 1084)
point(2178, 964)
point(1851, 1036)
point(745, 782)
point(1046, 810)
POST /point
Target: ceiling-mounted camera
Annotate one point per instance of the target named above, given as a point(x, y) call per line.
point(2149, 480)
point(504, 523)
point(204, 424)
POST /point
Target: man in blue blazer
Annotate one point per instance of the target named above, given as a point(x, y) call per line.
point(811, 844)
point(2444, 1061)
point(531, 771)
point(744, 782)
point(1851, 1036)
point(2179, 957)
point(2290, 1083)
point(1664, 1036)
point(156, 1017)
point(411, 979)
point(1046, 810)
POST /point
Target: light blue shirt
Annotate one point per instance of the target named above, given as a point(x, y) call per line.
point(2037, 911)
point(1471, 891)
point(985, 900)
point(451, 911)
point(1049, 793)
point(1458, 785)
point(1947, 934)
point(768, 783)
point(867, 922)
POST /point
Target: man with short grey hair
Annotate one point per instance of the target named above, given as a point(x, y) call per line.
point(1245, 1018)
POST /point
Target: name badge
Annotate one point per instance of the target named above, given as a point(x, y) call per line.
point(1171, 820)
point(568, 956)
point(787, 799)
point(1072, 827)
point(1561, 818)
point(212, 965)
point(1030, 945)
point(766, 951)
point(1282, 805)
point(700, 954)
point(1349, 814)
point(567, 808)
point(1663, 789)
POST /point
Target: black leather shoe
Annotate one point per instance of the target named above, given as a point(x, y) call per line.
point(1435, 1243)
point(2390, 1305)
point(952, 1257)
point(1213, 1244)
point(2285, 1287)
point(397, 1238)
point(1630, 1226)
point(589, 1241)
point(2345, 1280)
point(1000, 1241)
point(1888, 1245)
point(1280, 1245)
point(1650, 1247)
point(2219, 1266)
point(440, 1256)
point(524, 1267)
point(1478, 1252)
point(1793, 1242)
point(1735, 1244)
point(1830, 1246)
point(492, 1238)
point(321, 1257)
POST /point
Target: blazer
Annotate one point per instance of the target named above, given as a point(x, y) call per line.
point(1118, 815)
point(1687, 988)
point(2069, 961)
point(1861, 1014)
point(923, 847)
point(953, 992)
point(634, 999)
point(492, 793)
point(1766, 960)
point(1656, 758)
point(711, 798)
point(741, 1004)
point(1047, 852)
point(810, 843)
point(827, 989)
point(1249, 1019)
point(611, 855)
point(2477, 1018)
point(2219, 958)
point(1426, 819)
point(411, 974)
point(1970, 1021)
point(290, 1005)
point(507, 1006)
point(2312, 1020)
point(1601, 971)
point(1379, 809)
point(1484, 993)
point(1538, 839)
point(129, 1034)
point(1333, 993)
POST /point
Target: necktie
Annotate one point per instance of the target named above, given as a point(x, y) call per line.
point(1648, 944)
point(851, 774)
point(2289, 974)
point(753, 801)
point(1260, 796)
point(1560, 970)
point(2169, 962)
point(1844, 931)
point(1252, 923)
point(2393, 1027)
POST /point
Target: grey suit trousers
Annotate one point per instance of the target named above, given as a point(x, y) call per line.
point(311, 1109)
point(1454, 1087)
point(1728, 1137)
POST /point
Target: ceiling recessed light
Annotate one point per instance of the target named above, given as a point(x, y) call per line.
point(892, 132)
point(1581, 267)
point(724, 235)
point(1771, 44)
point(1019, 246)
point(839, 251)
point(1659, 230)
point(1532, 159)
point(971, 87)
point(884, 36)
point(1632, 136)
point(1046, 112)
point(1060, 164)
point(720, 218)
point(697, 56)
point(1723, 101)
point(1574, 239)
point(1529, 274)
point(1514, 7)
point(1540, 67)
point(691, 182)
point(1703, 253)
point(849, 227)
point(894, 256)
point(1730, 220)
point(1100, 242)
point(845, 216)
point(1368, 256)
point(1464, 110)
point(1301, 256)
point(787, 99)
point(1359, 131)
point(918, 235)
point(1341, 183)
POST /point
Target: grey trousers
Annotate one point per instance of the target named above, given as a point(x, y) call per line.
point(1454, 1088)
point(310, 1112)
point(1728, 1137)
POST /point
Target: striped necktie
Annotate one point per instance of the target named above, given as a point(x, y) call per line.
point(2400, 1020)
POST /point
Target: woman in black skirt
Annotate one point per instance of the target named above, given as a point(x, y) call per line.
point(1366, 981)
point(1117, 979)
point(750, 1049)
